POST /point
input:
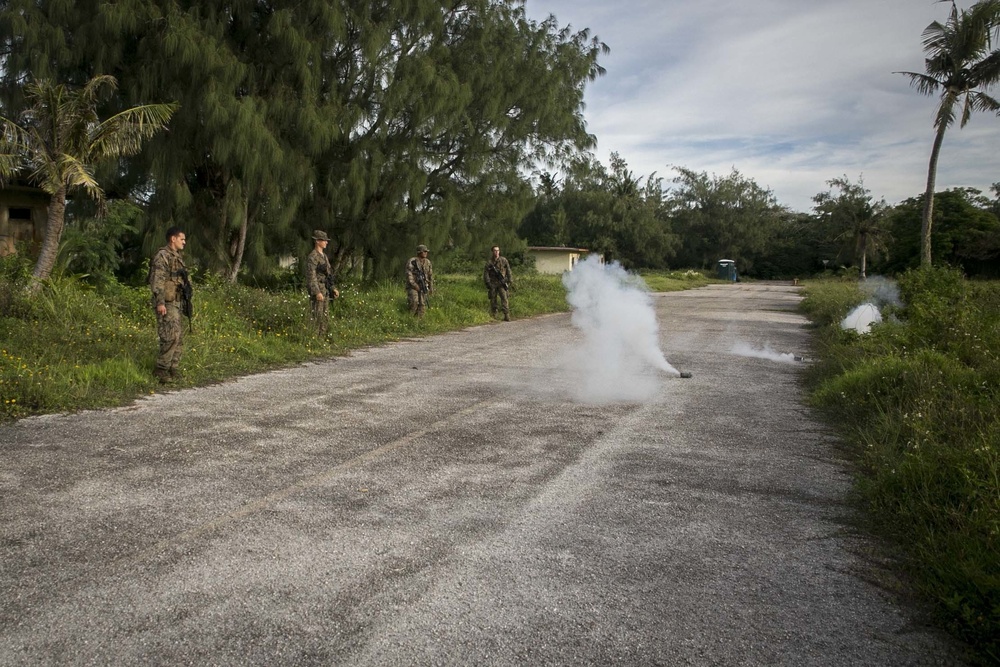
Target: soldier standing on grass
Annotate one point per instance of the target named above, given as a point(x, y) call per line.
point(419, 281)
point(168, 280)
point(319, 282)
point(498, 281)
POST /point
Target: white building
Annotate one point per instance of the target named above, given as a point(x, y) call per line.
point(556, 260)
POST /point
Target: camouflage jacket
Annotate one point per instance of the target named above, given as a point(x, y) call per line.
point(414, 266)
point(497, 273)
point(165, 276)
point(317, 269)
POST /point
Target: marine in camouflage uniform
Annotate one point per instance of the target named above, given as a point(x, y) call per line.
point(496, 275)
point(317, 269)
point(166, 279)
point(419, 281)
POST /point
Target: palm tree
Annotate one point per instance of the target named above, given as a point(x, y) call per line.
point(59, 140)
point(961, 64)
point(853, 215)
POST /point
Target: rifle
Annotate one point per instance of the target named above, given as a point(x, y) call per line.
point(327, 279)
point(186, 294)
point(418, 273)
point(499, 275)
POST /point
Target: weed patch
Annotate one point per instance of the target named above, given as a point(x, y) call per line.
point(919, 396)
point(77, 346)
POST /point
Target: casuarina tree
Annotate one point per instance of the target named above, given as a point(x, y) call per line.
point(58, 140)
point(961, 65)
point(386, 123)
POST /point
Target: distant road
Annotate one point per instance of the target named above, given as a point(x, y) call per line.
point(446, 501)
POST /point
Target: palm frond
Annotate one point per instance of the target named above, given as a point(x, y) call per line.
point(10, 164)
point(986, 72)
point(924, 83)
point(983, 17)
point(979, 101)
point(76, 173)
point(89, 94)
point(935, 38)
point(946, 112)
point(45, 174)
point(13, 143)
point(123, 134)
point(966, 110)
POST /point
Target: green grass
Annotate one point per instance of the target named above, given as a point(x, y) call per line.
point(920, 395)
point(674, 281)
point(918, 401)
point(74, 346)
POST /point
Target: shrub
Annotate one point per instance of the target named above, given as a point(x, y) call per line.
point(827, 302)
point(917, 400)
point(15, 274)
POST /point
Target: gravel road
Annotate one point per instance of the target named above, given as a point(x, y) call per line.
point(454, 500)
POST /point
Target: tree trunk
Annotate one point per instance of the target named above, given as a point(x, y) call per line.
point(236, 260)
point(368, 268)
point(50, 246)
point(337, 259)
point(928, 217)
point(864, 255)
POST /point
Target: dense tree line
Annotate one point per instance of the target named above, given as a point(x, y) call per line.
point(610, 211)
point(455, 123)
point(386, 123)
point(700, 218)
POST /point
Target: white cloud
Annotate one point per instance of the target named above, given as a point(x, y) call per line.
point(790, 93)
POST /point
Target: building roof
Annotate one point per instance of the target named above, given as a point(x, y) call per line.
point(562, 248)
point(21, 186)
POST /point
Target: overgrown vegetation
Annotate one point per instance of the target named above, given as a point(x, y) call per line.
point(385, 124)
point(917, 400)
point(78, 346)
point(286, 123)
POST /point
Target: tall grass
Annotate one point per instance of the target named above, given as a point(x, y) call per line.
point(917, 398)
point(75, 346)
point(674, 281)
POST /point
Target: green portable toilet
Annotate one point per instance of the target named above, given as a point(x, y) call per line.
point(726, 269)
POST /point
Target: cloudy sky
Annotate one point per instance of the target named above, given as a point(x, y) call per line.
point(791, 93)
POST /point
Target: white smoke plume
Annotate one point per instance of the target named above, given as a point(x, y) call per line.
point(747, 350)
point(620, 357)
point(881, 291)
point(862, 318)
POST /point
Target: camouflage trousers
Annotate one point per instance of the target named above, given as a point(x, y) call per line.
point(498, 293)
point(417, 301)
point(170, 329)
point(321, 315)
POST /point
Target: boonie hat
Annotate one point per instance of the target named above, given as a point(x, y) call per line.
point(422, 248)
point(320, 236)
